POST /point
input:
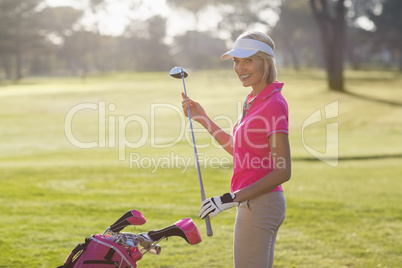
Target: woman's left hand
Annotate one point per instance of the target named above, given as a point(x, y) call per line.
point(214, 205)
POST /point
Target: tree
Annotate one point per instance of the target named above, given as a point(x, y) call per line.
point(56, 24)
point(192, 5)
point(154, 53)
point(296, 39)
point(330, 18)
point(144, 45)
point(18, 32)
point(388, 24)
point(239, 16)
point(198, 50)
point(59, 20)
point(79, 50)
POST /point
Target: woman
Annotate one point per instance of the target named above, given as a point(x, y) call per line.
point(260, 149)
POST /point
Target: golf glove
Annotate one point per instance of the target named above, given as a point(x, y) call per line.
point(214, 205)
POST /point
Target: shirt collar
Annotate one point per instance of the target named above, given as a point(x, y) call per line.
point(269, 90)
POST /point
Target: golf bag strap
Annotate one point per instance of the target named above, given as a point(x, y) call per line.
point(109, 254)
point(80, 247)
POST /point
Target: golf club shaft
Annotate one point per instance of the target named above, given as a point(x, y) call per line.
point(207, 220)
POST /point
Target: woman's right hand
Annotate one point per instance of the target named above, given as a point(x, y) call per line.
point(197, 112)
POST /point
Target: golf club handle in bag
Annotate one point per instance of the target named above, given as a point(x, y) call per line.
point(115, 249)
point(131, 217)
point(185, 228)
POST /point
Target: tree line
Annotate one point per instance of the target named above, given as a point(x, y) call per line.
point(37, 39)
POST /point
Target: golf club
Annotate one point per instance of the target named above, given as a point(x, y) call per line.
point(178, 72)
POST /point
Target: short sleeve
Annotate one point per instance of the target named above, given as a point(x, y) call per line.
point(276, 113)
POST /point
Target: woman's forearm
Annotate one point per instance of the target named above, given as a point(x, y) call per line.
point(221, 136)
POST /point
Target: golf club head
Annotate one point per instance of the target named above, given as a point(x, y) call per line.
point(176, 72)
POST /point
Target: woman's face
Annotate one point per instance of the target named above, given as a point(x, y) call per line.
point(250, 72)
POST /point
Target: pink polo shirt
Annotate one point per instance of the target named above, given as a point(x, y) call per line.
point(268, 114)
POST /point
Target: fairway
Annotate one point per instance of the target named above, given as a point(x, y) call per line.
point(75, 155)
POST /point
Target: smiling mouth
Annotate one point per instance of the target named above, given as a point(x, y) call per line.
point(245, 76)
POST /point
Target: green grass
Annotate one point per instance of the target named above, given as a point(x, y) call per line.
point(54, 194)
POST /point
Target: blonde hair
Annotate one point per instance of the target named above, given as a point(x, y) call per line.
point(270, 72)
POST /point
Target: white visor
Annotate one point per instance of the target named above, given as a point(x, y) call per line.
point(244, 48)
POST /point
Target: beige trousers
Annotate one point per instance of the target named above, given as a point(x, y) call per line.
point(256, 227)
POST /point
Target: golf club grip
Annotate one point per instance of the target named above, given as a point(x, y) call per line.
point(209, 227)
point(207, 220)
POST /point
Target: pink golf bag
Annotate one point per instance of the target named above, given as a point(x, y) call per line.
point(116, 249)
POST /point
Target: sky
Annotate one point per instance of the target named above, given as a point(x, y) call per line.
point(179, 20)
point(115, 18)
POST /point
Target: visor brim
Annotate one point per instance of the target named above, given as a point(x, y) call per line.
point(238, 53)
